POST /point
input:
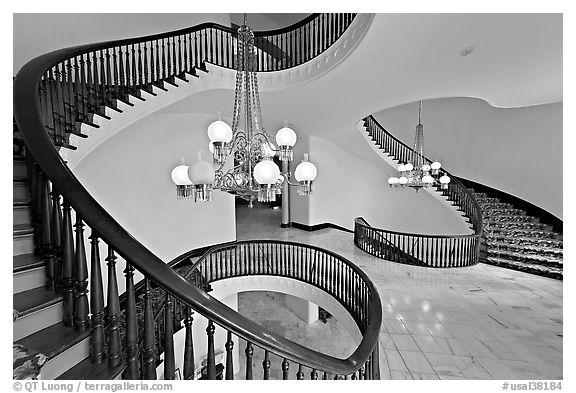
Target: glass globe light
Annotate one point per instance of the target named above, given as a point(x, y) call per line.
point(427, 179)
point(286, 137)
point(266, 172)
point(202, 172)
point(435, 165)
point(445, 179)
point(180, 176)
point(401, 168)
point(403, 180)
point(408, 167)
point(305, 171)
point(392, 181)
point(219, 131)
point(425, 167)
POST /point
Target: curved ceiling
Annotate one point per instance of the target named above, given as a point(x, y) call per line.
point(517, 61)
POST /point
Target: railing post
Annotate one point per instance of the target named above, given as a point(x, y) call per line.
point(113, 313)
point(67, 266)
point(189, 367)
point(249, 352)
point(81, 320)
point(96, 302)
point(169, 362)
point(300, 373)
point(210, 361)
point(229, 357)
point(285, 369)
point(266, 365)
point(132, 371)
point(56, 232)
point(148, 356)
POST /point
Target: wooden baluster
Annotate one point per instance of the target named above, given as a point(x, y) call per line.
point(266, 365)
point(189, 367)
point(113, 313)
point(300, 373)
point(140, 70)
point(132, 369)
point(361, 373)
point(210, 361)
point(149, 354)
point(56, 232)
point(249, 352)
point(324, 377)
point(96, 302)
point(285, 369)
point(81, 320)
point(67, 266)
point(229, 359)
point(169, 362)
point(314, 374)
point(45, 229)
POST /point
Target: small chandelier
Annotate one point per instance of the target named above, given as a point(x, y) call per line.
point(418, 173)
point(253, 175)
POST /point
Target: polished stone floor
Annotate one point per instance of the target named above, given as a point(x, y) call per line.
point(479, 322)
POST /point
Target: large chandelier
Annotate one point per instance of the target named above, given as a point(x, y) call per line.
point(253, 174)
point(418, 173)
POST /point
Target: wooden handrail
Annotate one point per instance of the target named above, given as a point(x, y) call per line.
point(34, 116)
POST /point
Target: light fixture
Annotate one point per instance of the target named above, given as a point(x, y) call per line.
point(418, 173)
point(253, 174)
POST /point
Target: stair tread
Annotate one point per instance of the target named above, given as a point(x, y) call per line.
point(86, 370)
point(22, 229)
point(54, 339)
point(26, 261)
point(21, 202)
point(34, 299)
point(20, 179)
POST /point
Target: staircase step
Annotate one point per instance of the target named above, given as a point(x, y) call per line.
point(21, 212)
point(63, 346)
point(517, 226)
point(23, 239)
point(556, 252)
point(28, 272)
point(19, 168)
point(526, 257)
point(20, 190)
point(86, 370)
point(37, 309)
point(527, 240)
point(546, 271)
point(499, 205)
point(489, 212)
point(489, 219)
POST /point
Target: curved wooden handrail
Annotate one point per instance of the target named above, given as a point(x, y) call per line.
point(28, 114)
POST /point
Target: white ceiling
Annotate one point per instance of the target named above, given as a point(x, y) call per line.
point(407, 57)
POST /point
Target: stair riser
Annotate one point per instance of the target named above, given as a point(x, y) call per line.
point(527, 260)
point(20, 191)
point(19, 169)
point(23, 245)
point(29, 279)
point(33, 322)
point(66, 360)
point(21, 215)
point(511, 248)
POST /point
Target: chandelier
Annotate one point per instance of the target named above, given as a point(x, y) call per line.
point(418, 173)
point(253, 173)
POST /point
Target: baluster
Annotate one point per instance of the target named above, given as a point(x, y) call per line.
point(157, 61)
point(67, 266)
point(148, 355)
point(314, 374)
point(81, 320)
point(170, 66)
point(285, 369)
point(266, 365)
point(361, 373)
point(132, 371)
point(324, 377)
point(45, 228)
point(113, 313)
point(116, 85)
point(140, 70)
point(56, 232)
point(96, 302)
point(188, 346)
point(211, 361)
point(249, 352)
point(300, 373)
point(121, 81)
point(163, 59)
point(169, 362)
point(229, 360)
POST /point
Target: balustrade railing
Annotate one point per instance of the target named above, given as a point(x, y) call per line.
point(421, 249)
point(57, 92)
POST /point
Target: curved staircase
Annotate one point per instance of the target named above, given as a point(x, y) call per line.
point(131, 334)
point(516, 240)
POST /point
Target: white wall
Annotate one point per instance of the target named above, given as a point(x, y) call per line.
point(518, 150)
point(36, 34)
point(129, 175)
point(348, 187)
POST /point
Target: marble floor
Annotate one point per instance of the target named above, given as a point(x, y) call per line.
point(479, 322)
point(269, 310)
